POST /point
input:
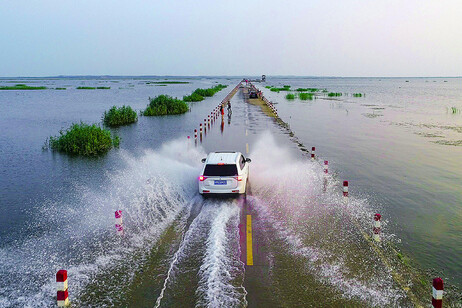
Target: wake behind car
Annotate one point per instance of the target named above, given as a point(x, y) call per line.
point(224, 173)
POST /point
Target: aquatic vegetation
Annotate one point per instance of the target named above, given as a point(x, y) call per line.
point(285, 88)
point(324, 91)
point(103, 88)
point(268, 87)
point(117, 116)
point(165, 105)
point(307, 90)
point(358, 95)
point(84, 139)
point(305, 96)
point(86, 88)
point(60, 88)
point(453, 110)
point(22, 87)
point(449, 142)
point(167, 82)
point(334, 94)
point(199, 94)
point(194, 97)
point(290, 96)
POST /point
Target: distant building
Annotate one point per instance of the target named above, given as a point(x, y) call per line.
point(263, 78)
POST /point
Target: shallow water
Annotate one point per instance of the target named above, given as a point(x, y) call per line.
point(57, 211)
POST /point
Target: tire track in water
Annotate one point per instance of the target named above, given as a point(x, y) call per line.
point(205, 270)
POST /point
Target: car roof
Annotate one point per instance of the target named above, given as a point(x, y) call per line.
point(222, 157)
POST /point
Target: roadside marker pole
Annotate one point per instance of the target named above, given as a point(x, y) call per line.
point(61, 284)
point(195, 135)
point(118, 222)
point(312, 153)
point(345, 190)
point(376, 229)
point(437, 296)
point(205, 126)
point(326, 167)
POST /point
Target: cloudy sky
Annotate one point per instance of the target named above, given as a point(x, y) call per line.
point(205, 37)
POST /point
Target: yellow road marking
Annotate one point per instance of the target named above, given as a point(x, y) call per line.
point(246, 148)
point(249, 241)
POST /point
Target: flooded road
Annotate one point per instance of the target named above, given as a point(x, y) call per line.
point(292, 242)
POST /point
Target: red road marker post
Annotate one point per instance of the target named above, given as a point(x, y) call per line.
point(437, 296)
point(377, 227)
point(326, 167)
point(313, 149)
point(205, 126)
point(61, 284)
point(118, 222)
point(345, 190)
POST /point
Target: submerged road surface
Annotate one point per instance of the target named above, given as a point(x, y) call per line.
point(291, 242)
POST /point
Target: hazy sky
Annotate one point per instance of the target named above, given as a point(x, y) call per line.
point(185, 37)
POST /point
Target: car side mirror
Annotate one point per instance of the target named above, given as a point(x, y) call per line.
point(203, 160)
point(248, 160)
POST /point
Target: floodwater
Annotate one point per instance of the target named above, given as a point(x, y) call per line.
point(57, 211)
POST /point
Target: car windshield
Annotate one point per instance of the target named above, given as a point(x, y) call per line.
point(220, 170)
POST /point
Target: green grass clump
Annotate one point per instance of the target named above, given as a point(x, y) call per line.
point(268, 87)
point(290, 96)
point(332, 94)
point(305, 96)
point(119, 116)
point(103, 88)
point(194, 97)
point(357, 95)
point(60, 88)
point(84, 139)
point(86, 88)
point(275, 89)
point(286, 86)
point(167, 82)
point(22, 87)
point(453, 110)
point(199, 94)
point(307, 90)
point(165, 105)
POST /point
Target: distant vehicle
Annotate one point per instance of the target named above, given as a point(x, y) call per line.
point(253, 94)
point(224, 173)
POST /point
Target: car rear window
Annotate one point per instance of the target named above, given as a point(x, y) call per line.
point(220, 170)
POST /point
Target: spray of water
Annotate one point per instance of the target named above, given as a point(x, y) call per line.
point(306, 210)
point(76, 231)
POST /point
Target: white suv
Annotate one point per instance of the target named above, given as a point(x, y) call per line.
point(224, 173)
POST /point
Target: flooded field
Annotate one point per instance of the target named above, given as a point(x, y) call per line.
point(398, 145)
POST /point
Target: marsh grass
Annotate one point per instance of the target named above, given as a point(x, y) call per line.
point(268, 87)
point(305, 96)
point(307, 90)
point(453, 110)
point(290, 96)
point(199, 94)
point(22, 87)
point(60, 88)
point(165, 105)
point(167, 82)
point(103, 88)
point(358, 95)
point(117, 116)
point(285, 88)
point(86, 88)
point(334, 94)
point(84, 139)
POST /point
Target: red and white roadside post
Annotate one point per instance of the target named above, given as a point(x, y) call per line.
point(205, 126)
point(345, 190)
point(437, 296)
point(326, 167)
point(118, 223)
point(313, 156)
point(195, 135)
point(200, 129)
point(208, 120)
point(377, 227)
point(61, 285)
